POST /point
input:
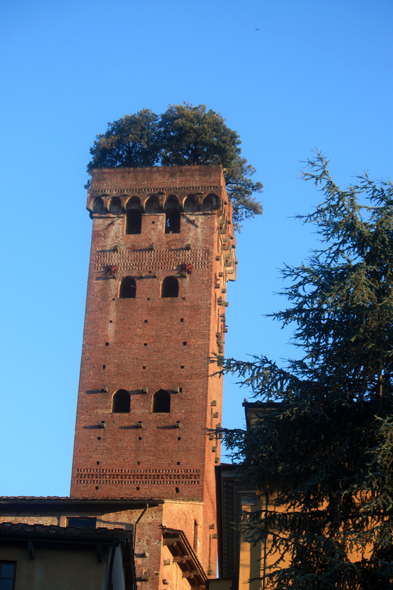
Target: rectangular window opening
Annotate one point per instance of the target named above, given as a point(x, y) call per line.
point(172, 221)
point(80, 522)
point(134, 221)
point(7, 574)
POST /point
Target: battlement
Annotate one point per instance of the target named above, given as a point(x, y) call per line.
point(157, 177)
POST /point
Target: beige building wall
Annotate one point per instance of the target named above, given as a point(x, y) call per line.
point(62, 568)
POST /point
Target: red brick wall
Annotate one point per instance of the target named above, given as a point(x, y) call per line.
point(154, 343)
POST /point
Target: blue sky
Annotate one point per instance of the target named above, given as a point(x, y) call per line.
point(315, 74)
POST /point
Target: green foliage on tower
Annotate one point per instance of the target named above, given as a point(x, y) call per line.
point(182, 136)
point(128, 142)
point(324, 453)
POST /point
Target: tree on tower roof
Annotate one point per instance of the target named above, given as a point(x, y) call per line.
point(182, 136)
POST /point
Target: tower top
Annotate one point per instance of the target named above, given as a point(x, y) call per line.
point(196, 189)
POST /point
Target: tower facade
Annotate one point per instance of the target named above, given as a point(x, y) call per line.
point(162, 251)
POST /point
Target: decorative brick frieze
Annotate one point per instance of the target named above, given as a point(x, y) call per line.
point(146, 260)
point(154, 191)
point(139, 476)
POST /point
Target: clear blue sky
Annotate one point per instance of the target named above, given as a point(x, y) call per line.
point(314, 74)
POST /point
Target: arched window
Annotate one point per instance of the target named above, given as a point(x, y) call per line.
point(98, 206)
point(191, 204)
point(121, 402)
point(134, 216)
point(210, 203)
point(127, 288)
point(115, 206)
point(161, 402)
point(170, 287)
point(172, 215)
point(152, 205)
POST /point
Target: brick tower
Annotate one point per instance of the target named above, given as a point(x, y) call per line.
point(162, 251)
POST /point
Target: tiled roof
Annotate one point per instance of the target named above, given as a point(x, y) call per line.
point(49, 532)
point(84, 499)
point(35, 498)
